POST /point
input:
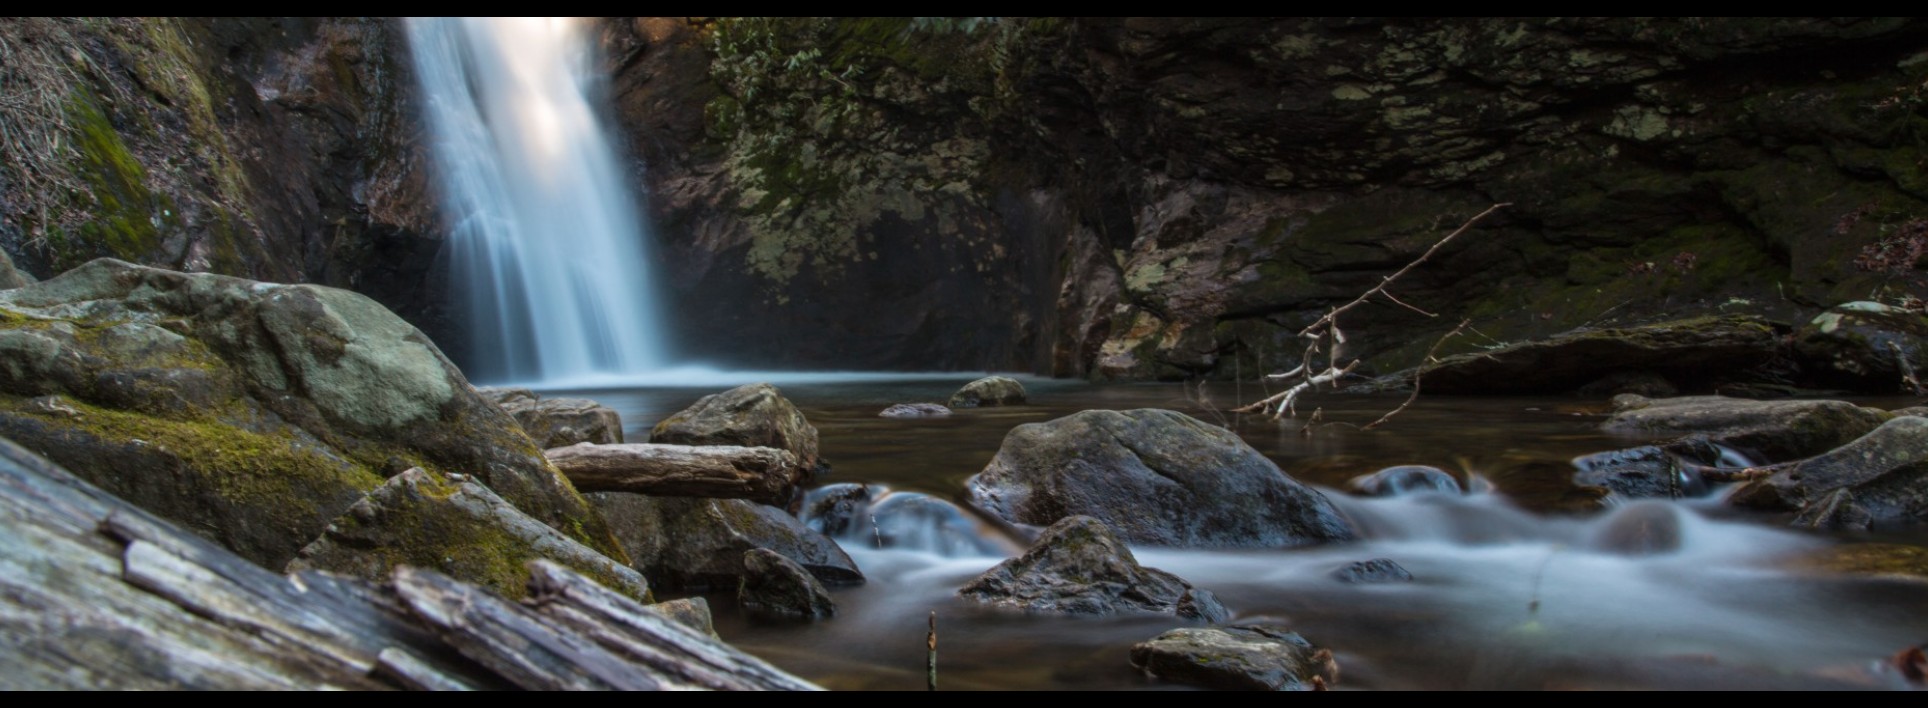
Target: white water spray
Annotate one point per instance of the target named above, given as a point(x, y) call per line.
point(547, 251)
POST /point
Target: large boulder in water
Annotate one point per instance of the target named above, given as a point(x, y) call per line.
point(1881, 477)
point(688, 543)
point(989, 391)
point(1865, 346)
point(1079, 567)
point(1251, 656)
point(751, 415)
point(457, 527)
point(251, 412)
point(1772, 431)
point(1157, 477)
point(558, 422)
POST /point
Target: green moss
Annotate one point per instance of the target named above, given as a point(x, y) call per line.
point(124, 216)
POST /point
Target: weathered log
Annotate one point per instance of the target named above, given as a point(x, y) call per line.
point(760, 474)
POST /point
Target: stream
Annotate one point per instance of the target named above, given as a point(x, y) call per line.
point(1518, 585)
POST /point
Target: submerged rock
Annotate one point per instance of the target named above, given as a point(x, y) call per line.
point(873, 516)
point(560, 422)
point(751, 415)
point(1770, 431)
point(989, 391)
point(1079, 567)
point(916, 410)
point(459, 528)
point(1377, 570)
point(1865, 346)
point(1880, 477)
point(1158, 477)
point(689, 543)
point(1249, 656)
point(1644, 528)
point(1703, 349)
point(1405, 479)
point(254, 413)
point(776, 587)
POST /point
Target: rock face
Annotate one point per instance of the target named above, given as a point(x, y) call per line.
point(989, 391)
point(255, 413)
point(695, 544)
point(1697, 353)
point(1253, 656)
point(1157, 477)
point(751, 415)
point(1771, 431)
point(1866, 346)
point(1405, 479)
point(558, 422)
point(776, 587)
point(1079, 567)
point(459, 528)
point(915, 410)
point(1377, 570)
point(1880, 478)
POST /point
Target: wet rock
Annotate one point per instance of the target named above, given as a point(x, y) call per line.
point(689, 543)
point(1157, 477)
point(252, 412)
point(560, 422)
point(1865, 346)
point(1770, 431)
point(776, 587)
point(1885, 474)
point(1835, 511)
point(751, 415)
point(1200, 604)
point(1405, 479)
point(691, 612)
point(1250, 656)
point(1643, 383)
point(1078, 566)
point(916, 410)
point(1670, 471)
point(1644, 528)
point(457, 527)
point(989, 391)
point(1916, 411)
point(1377, 570)
point(1886, 560)
point(873, 516)
point(1705, 349)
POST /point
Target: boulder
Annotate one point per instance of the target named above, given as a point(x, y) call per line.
point(694, 544)
point(1377, 570)
point(1157, 477)
point(1701, 351)
point(1865, 346)
point(873, 516)
point(11, 277)
point(1405, 479)
point(751, 415)
point(775, 587)
point(1643, 528)
point(989, 391)
point(1884, 476)
point(916, 410)
point(458, 527)
point(1249, 656)
point(1078, 566)
point(1670, 471)
point(1769, 431)
point(251, 412)
point(1917, 411)
point(559, 422)
point(691, 612)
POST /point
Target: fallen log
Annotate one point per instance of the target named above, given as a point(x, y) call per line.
point(761, 474)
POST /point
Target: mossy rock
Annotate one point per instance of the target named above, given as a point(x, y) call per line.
point(751, 415)
point(686, 543)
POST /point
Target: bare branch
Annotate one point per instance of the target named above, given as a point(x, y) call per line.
point(1381, 287)
point(1402, 303)
point(1417, 374)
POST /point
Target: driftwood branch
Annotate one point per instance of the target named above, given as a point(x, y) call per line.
point(1418, 373)
point(760, 474)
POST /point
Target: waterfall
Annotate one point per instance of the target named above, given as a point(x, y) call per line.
point(547, 251)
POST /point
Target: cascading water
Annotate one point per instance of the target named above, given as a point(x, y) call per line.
point(547, 250)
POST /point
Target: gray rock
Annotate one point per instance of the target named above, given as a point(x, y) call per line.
point(691, 612)
point(1157, 477)
point(1916, 411)
point(1405, 479)
point(255, 413)
point(915, 410)
point(688, 543)
point(11, 277)
point(504, 395)
point(1643, 528)
point(1770, 431)
point(776, 587)
point(1668, 471)
point(751, 415)
point(1884, 475)
point(1079, 567)
point(989, 391)
point(1377, 570)
point(560, 422)
point(1247, 656)
point(1863, 346)
point(873, 516)
point(1700, 349)
point(458, 527)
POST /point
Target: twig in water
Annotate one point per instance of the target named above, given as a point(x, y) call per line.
point(1419, 373)
point(930, 661)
